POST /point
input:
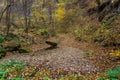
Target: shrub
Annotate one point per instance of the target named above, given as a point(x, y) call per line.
point(16, 79)
point(1, 38)
point(6, 67)
point(114, 74)
point(2, 50)
point(43, 32)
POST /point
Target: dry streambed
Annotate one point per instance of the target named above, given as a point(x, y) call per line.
point(67, 58)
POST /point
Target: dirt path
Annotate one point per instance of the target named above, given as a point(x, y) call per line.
point(67, 58)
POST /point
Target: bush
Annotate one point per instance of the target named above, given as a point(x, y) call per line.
point(108, 34)
point(1, 38)
point(43, 32)
point(6, 67)
point(114, 74)
point(2, 52)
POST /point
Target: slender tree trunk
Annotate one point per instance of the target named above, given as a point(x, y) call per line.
point(8, 17)
point(25, 15)
point(50, 13)
point(27, 11)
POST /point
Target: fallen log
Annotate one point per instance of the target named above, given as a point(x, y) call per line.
point(53, 44)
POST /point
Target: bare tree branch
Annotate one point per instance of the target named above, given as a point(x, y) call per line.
point(4, 12)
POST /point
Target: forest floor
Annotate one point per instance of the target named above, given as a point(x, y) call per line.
point(70, 55)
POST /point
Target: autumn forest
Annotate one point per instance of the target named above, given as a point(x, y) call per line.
point(59, 40)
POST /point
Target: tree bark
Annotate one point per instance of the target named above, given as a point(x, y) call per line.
point(8, 18)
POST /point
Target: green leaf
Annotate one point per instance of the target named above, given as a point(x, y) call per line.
point(3, 74)
point(16, 79)
point(113, 79)
point(101, 79)
point(46, 78)
point(114, 74)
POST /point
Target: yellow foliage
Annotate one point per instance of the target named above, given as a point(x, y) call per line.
point(60, 14)
point(40, 14)
point(70, 11)
point(37, 14)
point(115, 54)
point(62, 4)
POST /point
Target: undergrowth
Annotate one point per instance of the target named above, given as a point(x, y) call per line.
point(11, 43)
point(18, 70)
point(114, 74)
point(11, 66)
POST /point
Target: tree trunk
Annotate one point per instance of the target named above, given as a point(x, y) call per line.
point(8, 12)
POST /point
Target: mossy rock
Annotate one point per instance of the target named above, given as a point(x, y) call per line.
point(11, 45)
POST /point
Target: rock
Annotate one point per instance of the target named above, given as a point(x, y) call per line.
point(11, 45)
